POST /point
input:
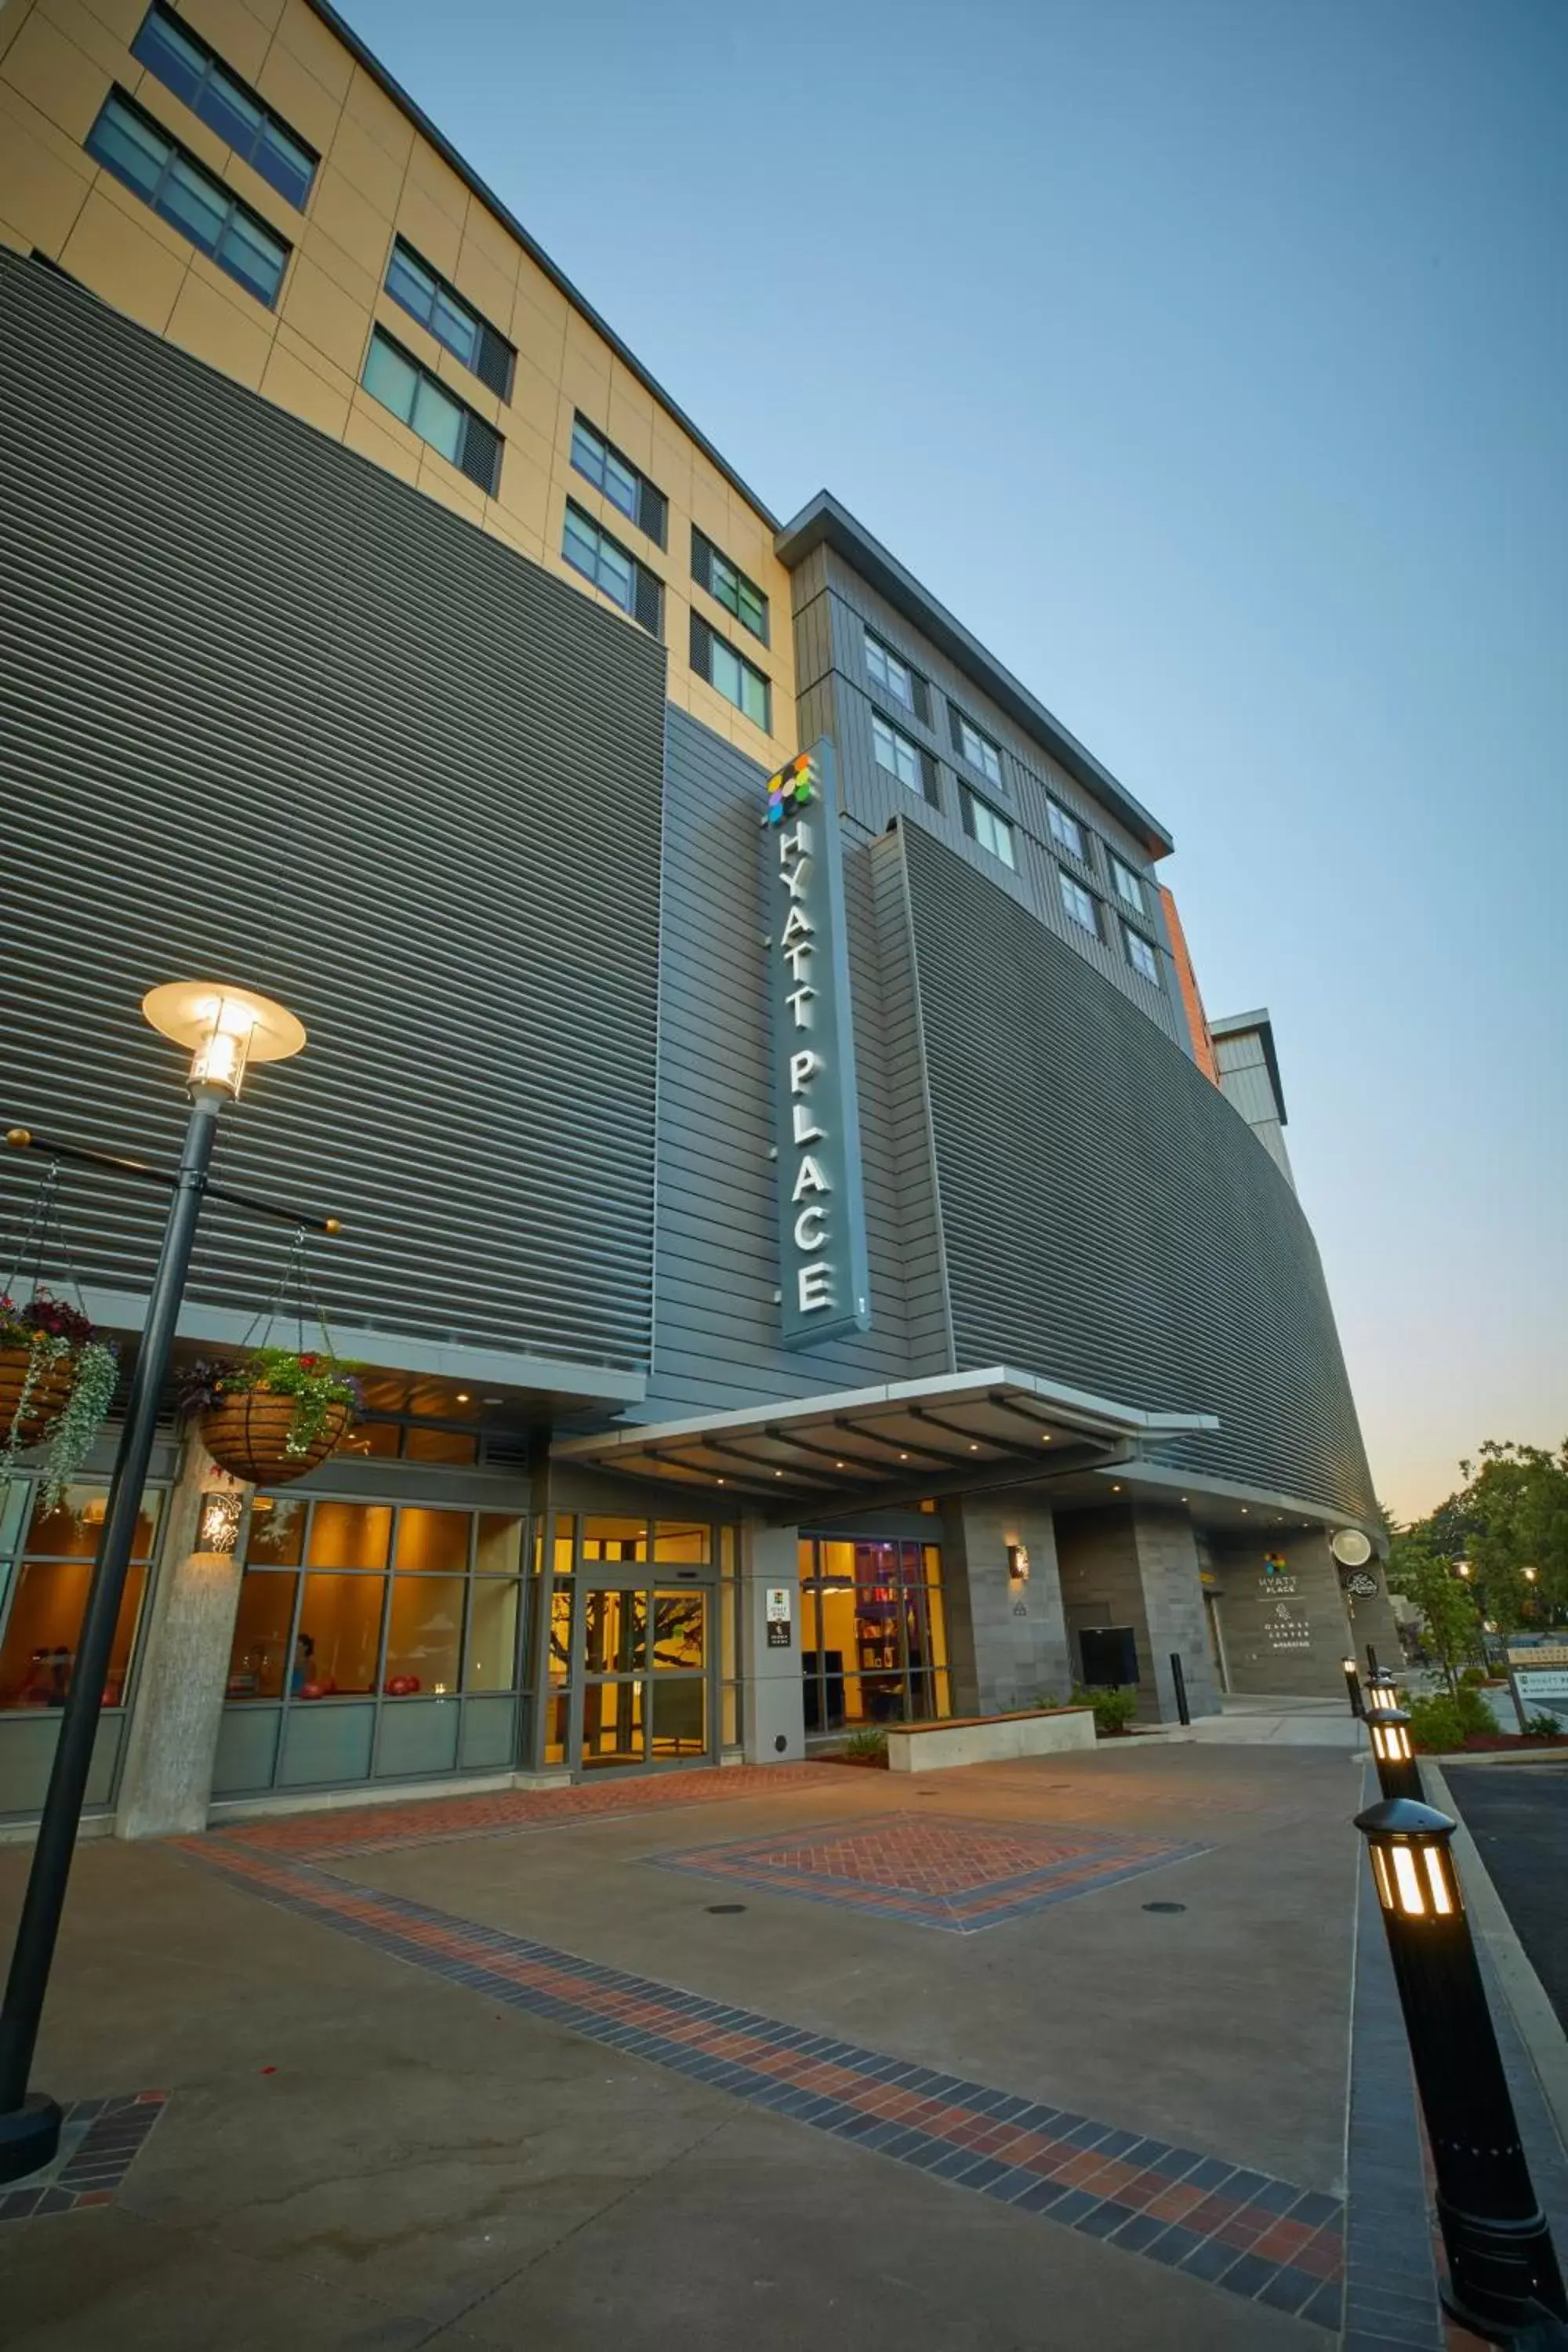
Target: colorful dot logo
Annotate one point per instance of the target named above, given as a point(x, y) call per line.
point(791, 788)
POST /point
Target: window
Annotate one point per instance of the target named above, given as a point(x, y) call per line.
point(885, 669)
point(1065, 832)
point(978, 750)
point(732, 673)
point(1140, 954)
point(604, 466)
point(167, 47)
point(897, 755)
point(427, 407)
point(426, 296)
point(613, 568)
point(1079, 903)
point(992, 832)
point(43, 1592)
point(723, 579)
point(873, 1637)
point(129, 144)
point(1128, 889)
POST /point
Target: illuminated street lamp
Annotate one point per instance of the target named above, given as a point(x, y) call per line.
point(1502, 2269)
point(223, 1029)
point(1353, 1687)
point(1398, 1773)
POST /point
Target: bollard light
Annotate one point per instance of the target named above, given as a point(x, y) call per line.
point(1502, 2271)
point(1398, 1773)
point(1352, 1687)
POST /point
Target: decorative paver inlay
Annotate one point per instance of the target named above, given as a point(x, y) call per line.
point(100, 2141)
point(433, 1821)
point(959, 1874)
point(1268, 2240)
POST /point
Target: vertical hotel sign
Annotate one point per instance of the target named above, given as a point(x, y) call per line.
point(822, 1214)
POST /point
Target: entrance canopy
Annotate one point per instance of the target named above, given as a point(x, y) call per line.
point(861, 1449)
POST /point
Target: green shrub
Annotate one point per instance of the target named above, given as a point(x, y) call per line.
point(1546, 1727)
point(1437, 1725)
point(1477, 1716)
point(1114, 1709)
point(871, 1741)
point(1472, 1678)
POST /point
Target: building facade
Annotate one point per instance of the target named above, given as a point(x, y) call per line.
point(812, 1263)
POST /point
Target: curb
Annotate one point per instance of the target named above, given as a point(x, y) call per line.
point(1532, 2013)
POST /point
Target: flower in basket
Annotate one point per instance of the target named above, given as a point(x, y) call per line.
point(58, 1350)
point(318, 1385)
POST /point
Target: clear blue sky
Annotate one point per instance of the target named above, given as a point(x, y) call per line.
point(1209, 361)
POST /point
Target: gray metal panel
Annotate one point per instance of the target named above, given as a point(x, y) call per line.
point(718, 1338)
point(272, 714)
point(1108, 1217)
point(873, 798)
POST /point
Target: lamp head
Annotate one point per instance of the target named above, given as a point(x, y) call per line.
point(1390, 1734)
point(222, 1028)
point(1417, 1883)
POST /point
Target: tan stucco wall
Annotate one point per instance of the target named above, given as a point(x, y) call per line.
point(378, 175)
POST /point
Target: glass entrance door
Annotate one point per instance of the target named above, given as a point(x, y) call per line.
point(644, 1677)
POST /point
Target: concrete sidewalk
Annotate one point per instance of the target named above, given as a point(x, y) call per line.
point(915, 2062)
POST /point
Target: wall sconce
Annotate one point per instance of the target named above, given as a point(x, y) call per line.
point(217, 1524)
point(1017, 1563)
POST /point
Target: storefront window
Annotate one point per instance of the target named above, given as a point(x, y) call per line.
point(43, 1596)
point(873, 1635)
point(423, 1636)
point(614, 1539)
point(489, 1659)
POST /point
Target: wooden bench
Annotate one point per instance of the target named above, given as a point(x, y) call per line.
point(987, 1738)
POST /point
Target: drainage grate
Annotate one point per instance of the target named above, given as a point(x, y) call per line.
point(1164, 1906)
point(724, 1910)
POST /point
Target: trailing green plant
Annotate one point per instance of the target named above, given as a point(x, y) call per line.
point(54, 1333)
point(872, 1740)
point(1115, 1708)
point(1545, 1727)
point(316, 1382)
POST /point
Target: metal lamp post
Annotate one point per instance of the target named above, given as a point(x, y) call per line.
point(1398, 1773)
point(1503, 2278)
point(224, 1029)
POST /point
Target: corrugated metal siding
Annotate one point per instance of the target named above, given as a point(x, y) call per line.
point(271, 715)
point(717, 1336)
point(1109, 1219)
point(872, 797)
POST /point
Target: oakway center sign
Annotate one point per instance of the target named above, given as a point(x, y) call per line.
point(822, 1213)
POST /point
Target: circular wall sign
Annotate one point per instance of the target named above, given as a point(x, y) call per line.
point(1351, 1548)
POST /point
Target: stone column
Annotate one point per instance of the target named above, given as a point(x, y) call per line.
point(1138, 1567)
point(170, 1741)
point(772, 1702)
point(1006, 1636)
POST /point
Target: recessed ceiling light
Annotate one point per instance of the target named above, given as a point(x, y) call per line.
point(463, 1397)
point(974, 1449)
point(778, 1474)
point(1116, 1490)
point(1045, 1437)
point(720, 1482)
point(492, 1400)
point(903, 1457)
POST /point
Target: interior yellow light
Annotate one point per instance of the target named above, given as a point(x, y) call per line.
point(1412, 1901)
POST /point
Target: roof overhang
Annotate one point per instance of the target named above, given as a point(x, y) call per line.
point(877, 1448)
point(825, 522)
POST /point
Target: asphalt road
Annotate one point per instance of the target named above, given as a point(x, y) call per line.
point(1517, 1816)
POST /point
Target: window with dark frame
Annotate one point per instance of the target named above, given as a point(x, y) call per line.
point(601, 463)
point(733, 677)
point(711, 569)
point(1065, 832)
point(397, 379)
point(886, 669)
point(1079, 903)
point(428, 297)
point(590, 549)
point(1128, 889)
point(1140, 954)
point(156, 168)
point(989, 828)
point(901, 758)
point(185, 63)
point(978, 750)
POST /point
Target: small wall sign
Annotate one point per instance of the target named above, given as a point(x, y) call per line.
point(1361, 1586)
point(777, 1611)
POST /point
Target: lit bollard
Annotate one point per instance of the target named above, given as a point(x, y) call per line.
point(1352, 1687)
point(1398, 1773)
point(1503, 2278)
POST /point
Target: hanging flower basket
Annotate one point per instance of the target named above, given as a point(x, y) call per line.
point(57, 1382)
point(273, 1416)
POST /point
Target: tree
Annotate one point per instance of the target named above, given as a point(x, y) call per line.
point(1516, 1510)
point(1427, 1577)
